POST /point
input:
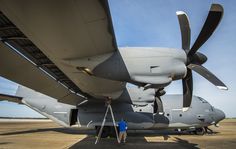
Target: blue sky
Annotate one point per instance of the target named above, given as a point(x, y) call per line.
point(153, 23)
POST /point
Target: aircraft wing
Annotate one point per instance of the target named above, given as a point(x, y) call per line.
point(18, 69)
point(62, 40)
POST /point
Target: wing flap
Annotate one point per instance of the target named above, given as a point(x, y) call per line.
point(16, 68)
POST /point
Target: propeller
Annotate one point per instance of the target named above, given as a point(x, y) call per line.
point(196, 59)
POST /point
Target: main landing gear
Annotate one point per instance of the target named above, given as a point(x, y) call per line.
point(106, 132)
point(203, 130)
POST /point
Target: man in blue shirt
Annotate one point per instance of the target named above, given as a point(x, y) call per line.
point(122, 129)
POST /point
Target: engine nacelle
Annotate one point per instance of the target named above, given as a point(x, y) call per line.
point(141, 66)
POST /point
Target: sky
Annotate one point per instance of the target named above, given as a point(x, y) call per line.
point(153, 23)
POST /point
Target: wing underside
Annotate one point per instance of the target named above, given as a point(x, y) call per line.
point(51, 35)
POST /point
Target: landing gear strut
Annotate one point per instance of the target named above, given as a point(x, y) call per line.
point(208, 130)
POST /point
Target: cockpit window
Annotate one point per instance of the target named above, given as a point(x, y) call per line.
point(202, 100)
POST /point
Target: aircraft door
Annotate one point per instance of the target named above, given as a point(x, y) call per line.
point(73, 116)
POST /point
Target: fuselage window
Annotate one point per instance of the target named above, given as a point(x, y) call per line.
point(180, 115)
point(168, 114)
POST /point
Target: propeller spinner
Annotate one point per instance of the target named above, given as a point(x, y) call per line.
point(196, 59)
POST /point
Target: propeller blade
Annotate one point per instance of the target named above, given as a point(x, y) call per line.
point(187, 89)
point(185, 29)
point(208, 75)
point(213, 19)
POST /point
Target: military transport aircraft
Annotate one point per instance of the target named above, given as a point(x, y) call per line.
point(67, 50)
point(134, 105)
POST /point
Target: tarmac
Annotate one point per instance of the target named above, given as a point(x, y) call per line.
point(45, 134)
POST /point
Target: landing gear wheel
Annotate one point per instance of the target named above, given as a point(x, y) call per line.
point(105, 132)
point(199, 131)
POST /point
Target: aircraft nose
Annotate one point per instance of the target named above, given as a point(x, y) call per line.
point(220, 115)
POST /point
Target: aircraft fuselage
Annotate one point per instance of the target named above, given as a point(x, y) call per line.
point(139, 115)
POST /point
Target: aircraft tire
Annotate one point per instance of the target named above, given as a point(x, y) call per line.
point(105, 132)
point(199, 131)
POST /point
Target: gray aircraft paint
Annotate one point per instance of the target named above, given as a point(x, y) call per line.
point(139, 115)
point(45, 105)
point(132, 64)
point(113, 68)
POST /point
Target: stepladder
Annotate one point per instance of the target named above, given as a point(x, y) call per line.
point(109, 108)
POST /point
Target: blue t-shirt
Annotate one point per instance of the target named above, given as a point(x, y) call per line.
point(122, 126)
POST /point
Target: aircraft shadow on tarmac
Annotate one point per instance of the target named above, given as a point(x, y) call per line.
point(61, 130)
point(132, 142)
point(3, 143)
point(135, 139)
point(92, 132)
